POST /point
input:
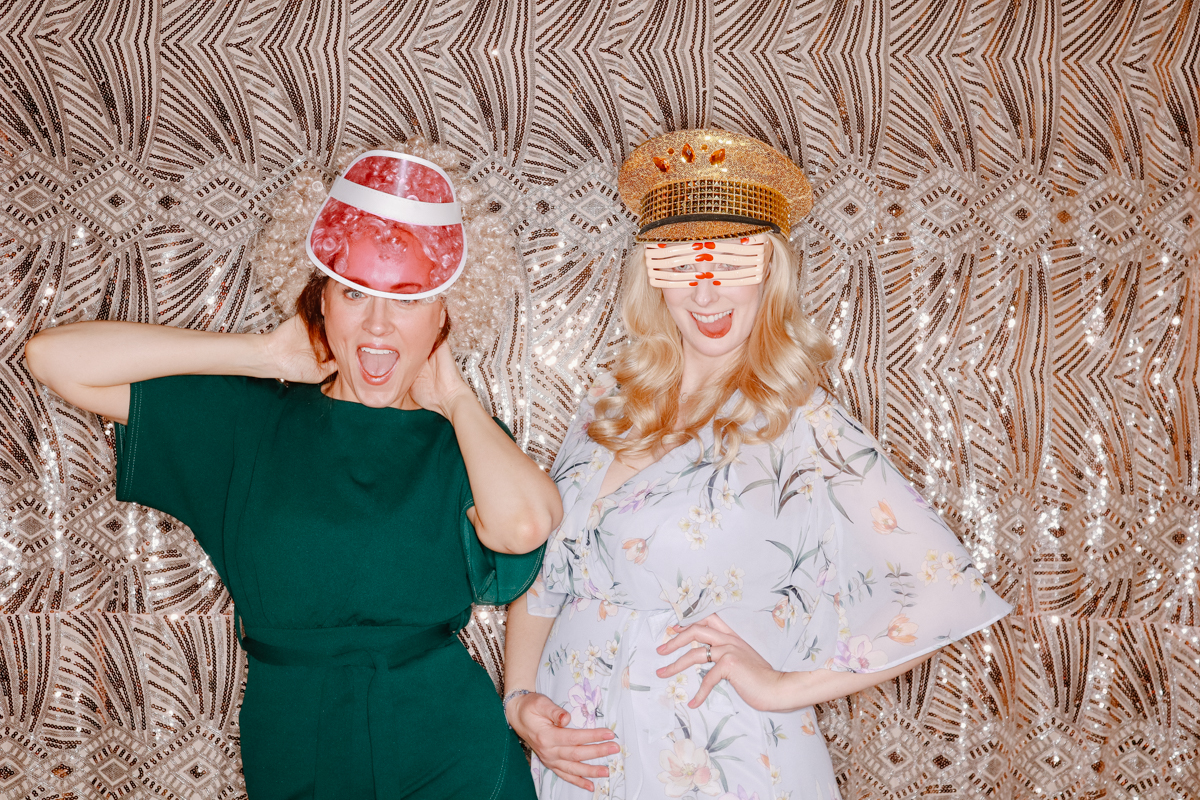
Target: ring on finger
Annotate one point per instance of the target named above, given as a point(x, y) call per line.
point(708, 653)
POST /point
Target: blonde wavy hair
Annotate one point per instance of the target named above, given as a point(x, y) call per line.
point(475, 303)
point(780, 366)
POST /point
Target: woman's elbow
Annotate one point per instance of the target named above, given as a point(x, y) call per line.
point(38, 358)
point(524, 535)
point(531, 534)
point(906, 666)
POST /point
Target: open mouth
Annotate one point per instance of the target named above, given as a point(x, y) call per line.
point(377, 363)
point(714, 326)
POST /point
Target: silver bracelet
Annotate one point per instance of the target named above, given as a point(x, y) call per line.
point(511, 695)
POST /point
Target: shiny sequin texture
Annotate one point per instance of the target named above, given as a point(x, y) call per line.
point(1004, 244)
point(732, 175)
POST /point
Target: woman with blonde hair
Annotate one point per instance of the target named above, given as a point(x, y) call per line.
point(352, 493)
point(734, 547)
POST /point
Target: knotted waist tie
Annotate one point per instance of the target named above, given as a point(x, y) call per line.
point(377, 648)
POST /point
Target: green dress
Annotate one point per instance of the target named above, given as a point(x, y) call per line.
point(341, 533)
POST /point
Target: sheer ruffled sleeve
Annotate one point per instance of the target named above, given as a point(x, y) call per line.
point(878, 578)
point(541, 602)
point(547, 596)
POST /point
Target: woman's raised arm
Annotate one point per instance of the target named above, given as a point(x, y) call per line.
point(91, 364)
point(516, 503)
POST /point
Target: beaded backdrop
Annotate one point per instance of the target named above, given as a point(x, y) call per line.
point(1004, 247)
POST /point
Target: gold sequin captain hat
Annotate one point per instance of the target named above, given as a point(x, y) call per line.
point(703, 184)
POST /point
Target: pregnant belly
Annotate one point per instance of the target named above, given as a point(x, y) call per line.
point(590, 663)
point(603, 672)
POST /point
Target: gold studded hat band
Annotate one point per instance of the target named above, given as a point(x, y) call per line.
point(713, 201)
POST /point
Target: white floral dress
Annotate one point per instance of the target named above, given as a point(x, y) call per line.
point(813, 548)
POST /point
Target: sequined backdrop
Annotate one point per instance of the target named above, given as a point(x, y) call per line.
point(1004, 245)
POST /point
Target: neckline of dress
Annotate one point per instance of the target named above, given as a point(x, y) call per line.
point(356, 407)
point(612, 459)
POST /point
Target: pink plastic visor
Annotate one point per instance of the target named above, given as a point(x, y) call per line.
point(391, 227)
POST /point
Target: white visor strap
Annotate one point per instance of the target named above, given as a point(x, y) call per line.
point(397, 209)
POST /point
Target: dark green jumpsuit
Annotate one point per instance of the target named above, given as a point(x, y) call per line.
point(341, 532)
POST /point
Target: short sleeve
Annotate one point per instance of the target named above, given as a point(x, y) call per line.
point(176, 453)
point(541, 602)
point(888, 581)
point(496, 578)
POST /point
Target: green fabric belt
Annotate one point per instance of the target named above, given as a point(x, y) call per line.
point(377, 648)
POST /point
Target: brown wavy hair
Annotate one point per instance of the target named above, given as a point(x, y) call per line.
point(779, 367)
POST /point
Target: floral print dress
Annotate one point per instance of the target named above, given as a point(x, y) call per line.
point(813, 548)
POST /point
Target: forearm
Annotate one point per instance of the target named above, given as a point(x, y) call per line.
point(91, 364)
point(803, 689)
point(536, 718)
point(516, 503)
point(524, 639)
point(112, 353)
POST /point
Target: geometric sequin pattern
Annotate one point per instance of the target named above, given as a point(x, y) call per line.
point(1005, 247)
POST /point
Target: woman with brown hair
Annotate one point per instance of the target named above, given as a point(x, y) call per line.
point(735, 548)
point(351, 491)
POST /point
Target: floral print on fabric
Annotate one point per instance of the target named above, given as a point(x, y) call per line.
point(813, 548)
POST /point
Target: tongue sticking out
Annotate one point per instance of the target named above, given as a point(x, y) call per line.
point(715, 330)
point(378, 363)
